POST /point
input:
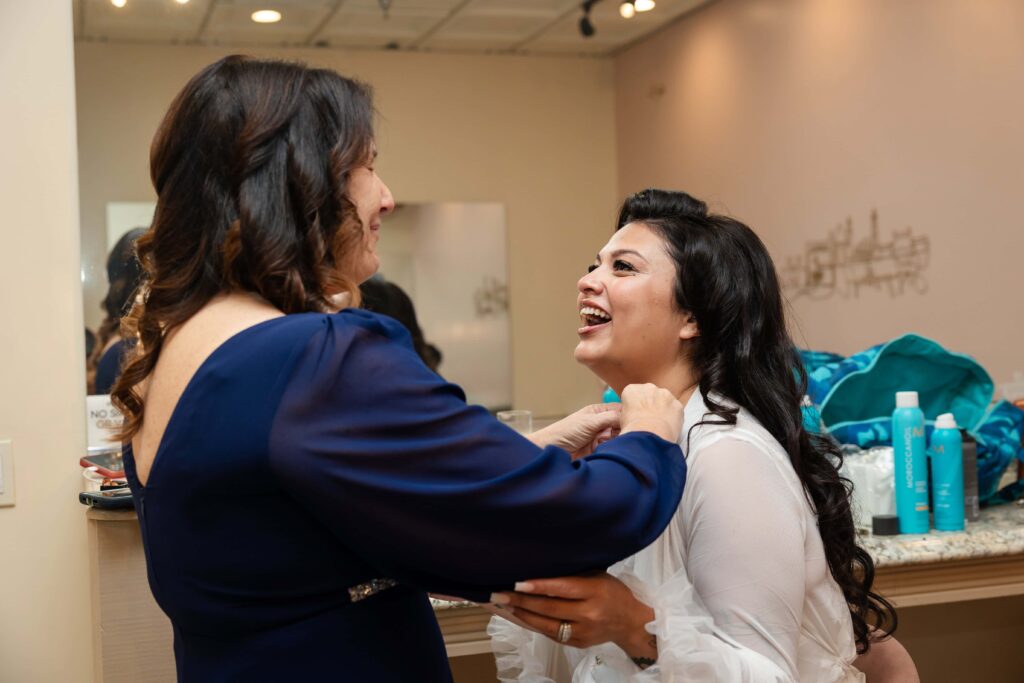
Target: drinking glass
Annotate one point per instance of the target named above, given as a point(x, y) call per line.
point(519, 420)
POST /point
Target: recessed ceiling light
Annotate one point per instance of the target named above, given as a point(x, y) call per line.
point(627, 10)
point(182, 2)
point(118, 3)
point(266, 16)
point(644, 5)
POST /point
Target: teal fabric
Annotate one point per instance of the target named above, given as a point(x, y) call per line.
point(857, 395)
point(865, 386)
point(999, 444)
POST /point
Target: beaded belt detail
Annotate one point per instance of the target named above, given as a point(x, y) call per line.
point(365, 590)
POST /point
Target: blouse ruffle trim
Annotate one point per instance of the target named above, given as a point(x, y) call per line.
point(689, 649)
point(520, 655)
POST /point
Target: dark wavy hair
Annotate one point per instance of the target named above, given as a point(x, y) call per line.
point(382, 296)
point(726, 280)
point(124, 273)
point(250, 166)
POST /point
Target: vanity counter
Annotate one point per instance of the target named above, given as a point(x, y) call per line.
point(999, 532)
point(986, 560)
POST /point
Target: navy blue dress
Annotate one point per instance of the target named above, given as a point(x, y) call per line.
point(108, 369)
point(314, 453)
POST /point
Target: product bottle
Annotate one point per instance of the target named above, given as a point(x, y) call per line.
point(910, 464)
point(947, 474)
point(610, 396)
point(970, 448)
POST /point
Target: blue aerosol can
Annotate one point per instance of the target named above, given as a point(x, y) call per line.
point(947, 474)
point(911, 465)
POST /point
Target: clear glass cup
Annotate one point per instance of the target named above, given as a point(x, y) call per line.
point(519, 420)
point(92, 480)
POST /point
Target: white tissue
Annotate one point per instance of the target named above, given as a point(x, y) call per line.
point(871, 472)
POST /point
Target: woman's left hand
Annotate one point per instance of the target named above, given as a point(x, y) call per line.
point(599, 609)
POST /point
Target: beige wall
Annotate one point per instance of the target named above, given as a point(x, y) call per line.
point(534, 133)
point(795, 115)
point(44, 572)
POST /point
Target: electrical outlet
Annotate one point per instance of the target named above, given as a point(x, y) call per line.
point(6, 473)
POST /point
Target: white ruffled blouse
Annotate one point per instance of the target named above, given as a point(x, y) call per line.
point(738, 581)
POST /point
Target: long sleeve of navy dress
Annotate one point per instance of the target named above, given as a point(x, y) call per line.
point(314, 455)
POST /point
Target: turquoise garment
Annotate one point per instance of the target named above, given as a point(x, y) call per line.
point(610, 396)
point(855, 397)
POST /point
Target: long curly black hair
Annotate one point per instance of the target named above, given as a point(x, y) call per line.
point(744, 353)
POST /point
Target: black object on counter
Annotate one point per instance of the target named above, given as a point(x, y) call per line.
point(970, 454)
point(113, 499)
point(885, 525)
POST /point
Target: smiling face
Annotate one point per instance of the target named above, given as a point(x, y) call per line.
point(372, 199)
point(632, 329)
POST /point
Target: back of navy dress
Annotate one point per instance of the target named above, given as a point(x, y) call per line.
point(313, 460)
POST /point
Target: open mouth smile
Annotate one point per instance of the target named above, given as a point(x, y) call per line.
point(593, 319)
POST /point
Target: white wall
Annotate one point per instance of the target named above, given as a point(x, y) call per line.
point(536, 134)
point(45, 623)
point(795, 115)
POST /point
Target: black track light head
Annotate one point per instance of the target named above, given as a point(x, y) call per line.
point(586, 26)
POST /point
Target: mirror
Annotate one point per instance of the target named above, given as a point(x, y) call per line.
point(448, 259)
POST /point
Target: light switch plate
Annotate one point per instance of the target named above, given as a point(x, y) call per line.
point(6, 473)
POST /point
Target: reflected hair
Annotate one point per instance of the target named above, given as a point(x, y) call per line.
point(124, 273)
point(726, 280)
point(250, 167)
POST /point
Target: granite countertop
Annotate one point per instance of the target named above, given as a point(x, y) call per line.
point(439, 604)
point(1000, 531)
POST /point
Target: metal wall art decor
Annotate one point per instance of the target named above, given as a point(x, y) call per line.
point(491, 297)
point(841, 266)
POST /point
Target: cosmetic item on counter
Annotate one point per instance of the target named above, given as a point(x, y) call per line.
point(947, 474)
point(972, 511)
point(871, 474)
point(910, 464)
point(885, 525)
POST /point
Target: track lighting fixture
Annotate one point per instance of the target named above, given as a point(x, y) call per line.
point(587, 26)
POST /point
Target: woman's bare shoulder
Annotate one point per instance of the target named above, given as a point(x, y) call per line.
point(183, 352)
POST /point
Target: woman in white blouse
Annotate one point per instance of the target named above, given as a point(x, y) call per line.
point(759, 577)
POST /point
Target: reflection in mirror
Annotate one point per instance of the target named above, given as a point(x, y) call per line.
point(126, 222)
point(443, 274)
point(450, 259)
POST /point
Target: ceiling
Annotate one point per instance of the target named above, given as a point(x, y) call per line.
point(478, 26)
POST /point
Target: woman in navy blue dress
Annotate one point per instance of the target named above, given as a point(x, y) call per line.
point(302, 479)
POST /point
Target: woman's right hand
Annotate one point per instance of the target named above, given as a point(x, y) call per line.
point(649, 408)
